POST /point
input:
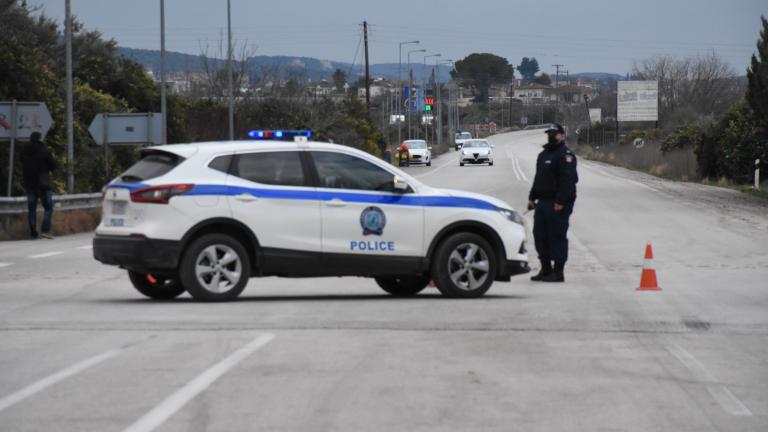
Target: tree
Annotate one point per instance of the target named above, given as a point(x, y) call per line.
point(757, 77)
point(543, 79)
point(339, 79)
point(528, 68)
point(481, 70)
point(691, 88)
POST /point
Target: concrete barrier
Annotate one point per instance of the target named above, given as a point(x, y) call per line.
point(71, 214)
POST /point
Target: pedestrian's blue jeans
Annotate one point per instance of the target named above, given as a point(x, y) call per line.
point(46, 199)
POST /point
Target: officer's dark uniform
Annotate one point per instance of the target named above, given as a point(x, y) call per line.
point(555, 182)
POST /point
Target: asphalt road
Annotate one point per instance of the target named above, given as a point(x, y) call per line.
point(80, 350)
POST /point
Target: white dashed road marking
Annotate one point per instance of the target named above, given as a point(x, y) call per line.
point(85, 247)
point(52, 379)
point(5, 264)
point(730, 403)
point(177, 400)
point(44, 255)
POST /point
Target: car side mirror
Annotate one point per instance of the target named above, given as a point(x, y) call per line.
point(399, 184)
point(492, 146)
point(429, 148)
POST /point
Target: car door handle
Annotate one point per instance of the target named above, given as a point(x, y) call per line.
point(335, 203)
point(246, 197)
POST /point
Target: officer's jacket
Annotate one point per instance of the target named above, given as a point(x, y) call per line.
point(556, 175)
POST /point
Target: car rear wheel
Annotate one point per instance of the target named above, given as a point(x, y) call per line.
point(156, 287)
point(403, 286)
point(490, 163)
point(461, 163)
point(215, 267)
point(464, 266)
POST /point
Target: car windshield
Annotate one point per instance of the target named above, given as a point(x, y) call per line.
point(481, 144)
point(416, 144)
point(463, 135)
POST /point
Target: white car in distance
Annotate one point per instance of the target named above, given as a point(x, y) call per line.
point(420, 152)
point(476, 151)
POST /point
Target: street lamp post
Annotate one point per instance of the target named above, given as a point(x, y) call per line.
point(69, 98)
point(400, 86)
point(229, 74)
point(410, 85)
point(439, 102)
point(589, 118)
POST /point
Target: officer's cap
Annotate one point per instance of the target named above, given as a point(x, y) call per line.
point(554, 127)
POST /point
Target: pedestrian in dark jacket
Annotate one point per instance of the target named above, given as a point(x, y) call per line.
point(37, 165)
point(552, 195)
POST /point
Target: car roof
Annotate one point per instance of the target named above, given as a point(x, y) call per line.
point(210, 147)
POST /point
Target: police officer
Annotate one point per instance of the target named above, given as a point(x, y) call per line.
point(552, 195)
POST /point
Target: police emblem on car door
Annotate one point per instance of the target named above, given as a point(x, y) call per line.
point(373, 220)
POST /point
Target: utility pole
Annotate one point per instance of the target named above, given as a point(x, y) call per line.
point(367, 75)
point(229, 74)
point(400, 108)
point(557, 88)
point(163, 107)
point(410, 86)
point(70, 113)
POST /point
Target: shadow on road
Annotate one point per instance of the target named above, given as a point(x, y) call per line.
point(313, 298)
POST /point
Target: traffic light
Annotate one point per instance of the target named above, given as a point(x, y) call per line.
point(428, 102)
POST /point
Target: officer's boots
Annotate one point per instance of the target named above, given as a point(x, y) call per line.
point(546, 270)
point(556, 275)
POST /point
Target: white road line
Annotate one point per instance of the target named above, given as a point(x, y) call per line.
point(85, 247)
point(178, 399)
point(520, 168)
point(5, 264)
point(436, 169)
point(514, 169)
point(720, 393)
point(511, 156)
point(45, 255)
point(615, 177)
point(52, 379)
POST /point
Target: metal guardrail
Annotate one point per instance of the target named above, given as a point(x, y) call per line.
point(16, 205)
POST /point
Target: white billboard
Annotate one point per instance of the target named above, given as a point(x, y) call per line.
point(595, 115)
point(638, 101)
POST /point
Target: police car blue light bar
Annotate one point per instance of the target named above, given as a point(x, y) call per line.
point(279, 134)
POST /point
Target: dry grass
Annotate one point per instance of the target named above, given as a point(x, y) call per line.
point(64, 222)
point(676, 164)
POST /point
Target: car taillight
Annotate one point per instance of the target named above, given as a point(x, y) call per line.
point(159, 194)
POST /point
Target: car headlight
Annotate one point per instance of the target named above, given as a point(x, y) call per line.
point(512, 216)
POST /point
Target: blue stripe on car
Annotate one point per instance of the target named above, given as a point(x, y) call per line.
point(324, 195)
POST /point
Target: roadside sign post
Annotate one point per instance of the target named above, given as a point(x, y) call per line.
point(105, 137)
point(757, 174)
point(125, 128)
point(27, 117)
point(13, 144)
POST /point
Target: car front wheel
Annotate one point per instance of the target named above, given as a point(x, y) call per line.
point(215, 267)
point(403, 286)
point(464, 266)
point(156, 287)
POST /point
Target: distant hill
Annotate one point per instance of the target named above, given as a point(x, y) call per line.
point(602, 76)
point(305, 67)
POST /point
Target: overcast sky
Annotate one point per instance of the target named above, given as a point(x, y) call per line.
point(584, 35)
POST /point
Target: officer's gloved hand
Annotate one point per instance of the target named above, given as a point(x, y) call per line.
point(531, 205)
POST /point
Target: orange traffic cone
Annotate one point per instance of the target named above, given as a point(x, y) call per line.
point(648, 277)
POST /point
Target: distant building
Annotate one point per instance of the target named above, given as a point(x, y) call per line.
point(534, 93)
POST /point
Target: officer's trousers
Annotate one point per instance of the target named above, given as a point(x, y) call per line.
point(549, 231)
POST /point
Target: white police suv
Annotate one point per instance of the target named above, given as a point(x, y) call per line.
point(204, 218)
